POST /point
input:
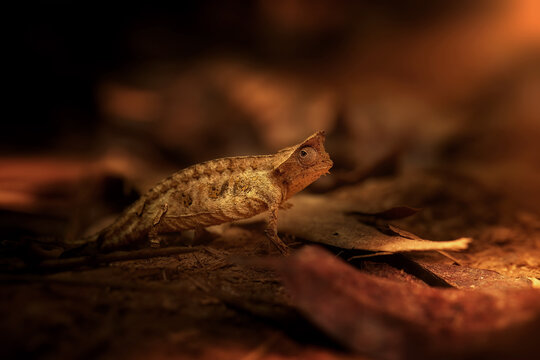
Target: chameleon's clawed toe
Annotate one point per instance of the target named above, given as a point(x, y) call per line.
point(280, 245)
point(284, 250)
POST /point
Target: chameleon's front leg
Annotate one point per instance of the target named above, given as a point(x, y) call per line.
point(271, 231)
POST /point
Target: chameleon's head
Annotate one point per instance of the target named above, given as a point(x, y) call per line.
point(298, 166)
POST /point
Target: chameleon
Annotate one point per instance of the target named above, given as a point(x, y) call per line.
point(216, 192)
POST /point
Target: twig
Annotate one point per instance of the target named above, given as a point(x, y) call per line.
point(447, 255)
point(380, 253)
point(100, 283)
point(71, 263)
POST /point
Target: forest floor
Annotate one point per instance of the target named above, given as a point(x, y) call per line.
point(223, 300)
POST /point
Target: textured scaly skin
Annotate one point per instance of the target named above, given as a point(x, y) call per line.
point(215, 192)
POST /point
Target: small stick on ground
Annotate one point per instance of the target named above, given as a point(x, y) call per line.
point(71, 263)
point(71, 280)
point(447, 255)
point(381, 253)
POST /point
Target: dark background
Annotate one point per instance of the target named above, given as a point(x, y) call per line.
point(451, 83)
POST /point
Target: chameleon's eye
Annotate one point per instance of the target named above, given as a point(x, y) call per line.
point(307, 156)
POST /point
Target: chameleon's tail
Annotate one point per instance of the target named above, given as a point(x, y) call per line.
point(84, 247)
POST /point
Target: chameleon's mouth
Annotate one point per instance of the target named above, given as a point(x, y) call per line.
point(325, 167)
point(328, 164)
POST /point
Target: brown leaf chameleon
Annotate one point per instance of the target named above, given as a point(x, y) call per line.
point(215, 192)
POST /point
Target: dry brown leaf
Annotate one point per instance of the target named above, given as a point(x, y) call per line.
point(332, 221)
point(387, 319)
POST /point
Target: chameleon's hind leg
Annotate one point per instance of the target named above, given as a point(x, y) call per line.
point(163, 234)
point(184, 237)
point(271, 233)
point(165, 231)
point(154, 234)
point(155, 238)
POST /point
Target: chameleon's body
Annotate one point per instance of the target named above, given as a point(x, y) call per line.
point(219, 191)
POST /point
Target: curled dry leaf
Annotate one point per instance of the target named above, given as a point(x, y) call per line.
point(386, 319)
point(327, 220)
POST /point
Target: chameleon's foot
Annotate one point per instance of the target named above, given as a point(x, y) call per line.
point(280, 245)
point(155, 242)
